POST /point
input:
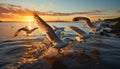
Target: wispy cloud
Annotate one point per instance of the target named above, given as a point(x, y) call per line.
point(94, 12)
point(16, 11)
point(8, 9)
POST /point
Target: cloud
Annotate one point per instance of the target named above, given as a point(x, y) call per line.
point(6, 9)
point(94, 12)
point(16, 11)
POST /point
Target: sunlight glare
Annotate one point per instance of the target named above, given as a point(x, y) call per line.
point(29, 19)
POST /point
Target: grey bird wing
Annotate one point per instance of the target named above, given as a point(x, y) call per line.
point(46, 29)
point(77, 30)
point(87, 21)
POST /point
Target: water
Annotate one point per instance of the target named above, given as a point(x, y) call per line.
point(23, 52)
point(9, 29)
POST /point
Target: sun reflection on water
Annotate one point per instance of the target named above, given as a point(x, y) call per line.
point(39, 51)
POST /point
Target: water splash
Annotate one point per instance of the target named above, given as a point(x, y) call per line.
point(38, 51)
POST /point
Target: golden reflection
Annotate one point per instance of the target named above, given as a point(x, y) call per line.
point(29, 26)
point(32, 53)
point(39, 50)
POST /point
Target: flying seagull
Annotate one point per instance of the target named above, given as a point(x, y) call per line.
point(50, 33)
point(25, 29)
point(81, 35)
point(89, 24)
point(59, 31)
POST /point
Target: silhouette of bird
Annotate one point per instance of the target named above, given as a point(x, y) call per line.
point(25, 29)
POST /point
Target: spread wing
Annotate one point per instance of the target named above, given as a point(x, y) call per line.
point(19, 30)
point(16, 33)
point(30, 31)
point(46, 29)
point(77, 30)
point(87, 22)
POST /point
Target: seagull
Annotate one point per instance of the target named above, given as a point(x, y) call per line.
point(81, 35)
point(89, 24)
point(59, 31)
point(50, 33)
point(25, 29)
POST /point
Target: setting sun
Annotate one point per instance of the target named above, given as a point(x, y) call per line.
point(29, 19)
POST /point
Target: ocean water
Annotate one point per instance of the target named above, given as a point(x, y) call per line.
point(24, 52)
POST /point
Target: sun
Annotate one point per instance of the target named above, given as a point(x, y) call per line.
point(29, 19)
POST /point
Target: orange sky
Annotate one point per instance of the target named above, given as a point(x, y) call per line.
point(10, 12)
point(51, 18)
point(29, 18)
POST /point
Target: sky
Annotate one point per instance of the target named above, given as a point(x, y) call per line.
point(52, 10)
